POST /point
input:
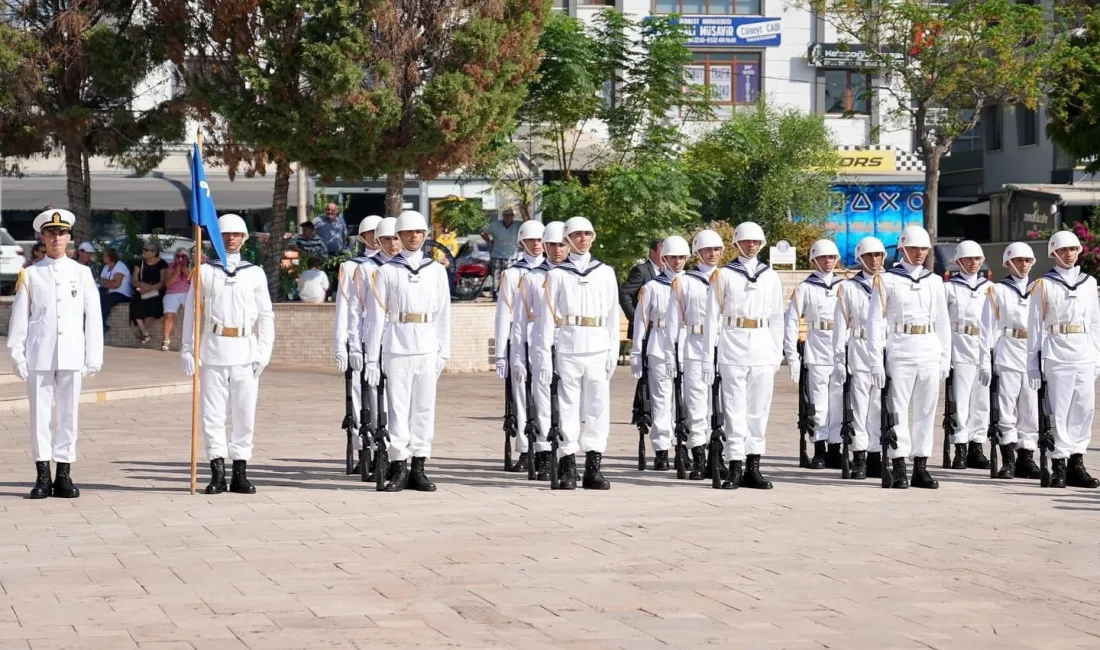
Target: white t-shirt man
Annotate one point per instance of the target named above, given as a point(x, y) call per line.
point(313, 285)
point(108, 272)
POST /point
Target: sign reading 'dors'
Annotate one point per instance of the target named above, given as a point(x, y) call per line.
point(869, 162)
point(849, 56)
point(732, 31)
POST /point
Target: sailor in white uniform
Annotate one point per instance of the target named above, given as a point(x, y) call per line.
point(55, 338)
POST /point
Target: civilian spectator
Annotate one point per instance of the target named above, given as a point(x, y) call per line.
point(177, 283)
point(639, 276)
point(308, 243)
point(38, 253)
point(149, 282)
point(114, 284)
point(332, 229)
point(86, 256)
point(313, 283)
point(502, 237)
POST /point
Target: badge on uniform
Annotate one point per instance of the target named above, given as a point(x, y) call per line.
point(582, 279)
point(74, 289)
point(414, 278)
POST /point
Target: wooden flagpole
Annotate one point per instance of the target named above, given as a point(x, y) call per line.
point(196, 282)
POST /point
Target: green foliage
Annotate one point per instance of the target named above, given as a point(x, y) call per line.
point(1074, 94)
point(463, 216)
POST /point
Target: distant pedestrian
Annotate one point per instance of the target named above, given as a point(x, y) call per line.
point(177, 282)
point(332, 229)
point(313, 284)
point(149, 282)
point(308, 243)
point(503, 238)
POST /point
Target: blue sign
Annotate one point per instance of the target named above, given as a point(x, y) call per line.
point(878, 210)
point(732, 31)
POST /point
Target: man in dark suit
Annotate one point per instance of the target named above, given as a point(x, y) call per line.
point(639, 275)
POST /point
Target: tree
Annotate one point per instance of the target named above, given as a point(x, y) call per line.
point(87, 64)
point(943, 63)
point(1073, 100)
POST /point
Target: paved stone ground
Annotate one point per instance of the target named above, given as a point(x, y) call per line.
point(317, 560)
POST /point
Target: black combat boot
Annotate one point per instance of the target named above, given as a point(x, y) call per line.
point(660, 461)
point(42, 484)
point(217, 477)
point(568, 468)
point(960, 457)
point(698, 463)
point(723, 469)
point(921, 477)
point(1026, 467)
point(542, 465)
point(63, 485)
point(399, 476)
point(593, 479)
point(859, 465)
point(1078, 476)
point(1008, 462)
point(240, 484)
point(418, 480)
point(752, 477)
point(975, 456)
point(832, 457)
point(874, 463)
point(519, 466)
point(733, 476)
point(1058, 472)
point(818, 461)
point(901, 478)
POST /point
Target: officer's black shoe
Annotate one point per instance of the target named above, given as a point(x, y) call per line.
point(698, 463)
point(520, 464)
point(921, 477)
point(63, 485)
point(960, 457)
point(593, 479)
point(975, 456)
point(1058, 473)
point(733, 476)
point(217, 477)
point(240, 483)
point(818, 461)
point(43, 483)
point(660, 461)
point(1026, 467)
point(859, 465)
point(752, 477)
point(901, 479)
point(1008, 462)
point(399, 476)
point(417, 479)
point(1078, 476)
point(542, 465)
point(874, 463)
point(832, 457)
point(568, 468)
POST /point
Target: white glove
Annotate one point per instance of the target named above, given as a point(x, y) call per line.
point(502, 368)
point(708, 373)
point(440, 363)
point(21, 370)
point(1034, 384)
point(985, 375)
point(188, 364)
point(90, 370)
point(258, 369)
point(609, 366)
point(944, 372)
point(670, 370)
point(519, 369)
point(636, 366)
point(794, 367)
point(839, 374)
point(342, 361)
point(372, 374)
point(546, 376)
point(356, 360)
point(878, 377)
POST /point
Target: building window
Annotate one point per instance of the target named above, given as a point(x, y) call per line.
point(595, 3)
point(713, 7)
point(847, 92)
point(734, 78)
point(1027, 127)
point(991, 118)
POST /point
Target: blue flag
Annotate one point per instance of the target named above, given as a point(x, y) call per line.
point(202, 204)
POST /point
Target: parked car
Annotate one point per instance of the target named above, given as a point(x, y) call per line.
point(11, 260)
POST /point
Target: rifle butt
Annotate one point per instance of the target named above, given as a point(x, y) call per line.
point(1044, 468)
point(681, 465)
point(946, 450)
point(641, 448)
point(715, 462)
point(845, 467)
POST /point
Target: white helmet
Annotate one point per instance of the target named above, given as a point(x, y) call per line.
point(968, 248)
point(411, 220)
point(673, 246)
point(531, 229)
point(369, 223)
point(578, 224)
point(1017, 250)
point(869, 245)
point(914, 237)
point(1062, 239)
point(706, 239)
point(232, 223)
point(387, 227)
point(823, 247)
point(554, 233)
point(749, 231)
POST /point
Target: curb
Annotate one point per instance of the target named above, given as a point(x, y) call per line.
point(106, 395)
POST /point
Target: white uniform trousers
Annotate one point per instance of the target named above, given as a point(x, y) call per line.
point(228, 390)
point(914, 386)
point(828, 400)
point(1071, 398)
point(661, 398)
point(519, 391)
point(1019, 406)
point(540, 394)
point(44, 390)
point(410, 400)
point(583, 394)
point(697, 403)
point(972, 405)
point(747, 398)
point(866, 413)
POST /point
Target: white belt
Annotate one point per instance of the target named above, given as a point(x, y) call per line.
point(231, 332)
point(966, 329)
point(820, 325)
point(660, 322)
point(740, 322)
point(584, 321)
point(1068, 328)
point(913, 328)
point(696, 329)
point(406, 317)
point(1014, 333)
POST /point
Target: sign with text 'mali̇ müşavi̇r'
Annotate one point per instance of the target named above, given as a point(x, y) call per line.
point(732, 31)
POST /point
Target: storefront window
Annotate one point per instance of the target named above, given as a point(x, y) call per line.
point(734, 78)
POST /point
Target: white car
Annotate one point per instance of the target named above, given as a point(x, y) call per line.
point(11, 261)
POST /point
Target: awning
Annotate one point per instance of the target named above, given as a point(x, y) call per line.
point(975, 209)
point(1082, 194)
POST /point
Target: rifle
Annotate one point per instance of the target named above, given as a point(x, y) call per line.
point(554, 435)
point(511, 423)
point(349, 423)
point(994, 418)
point(888, 437)
point(681, 416)
point(1046, 431)
point(643, 414)
point(381, 437)
point(717, 433)
point(531, 428)
point(365, 432)
point(806, 410)
point(949, 417)
point(847, 425)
